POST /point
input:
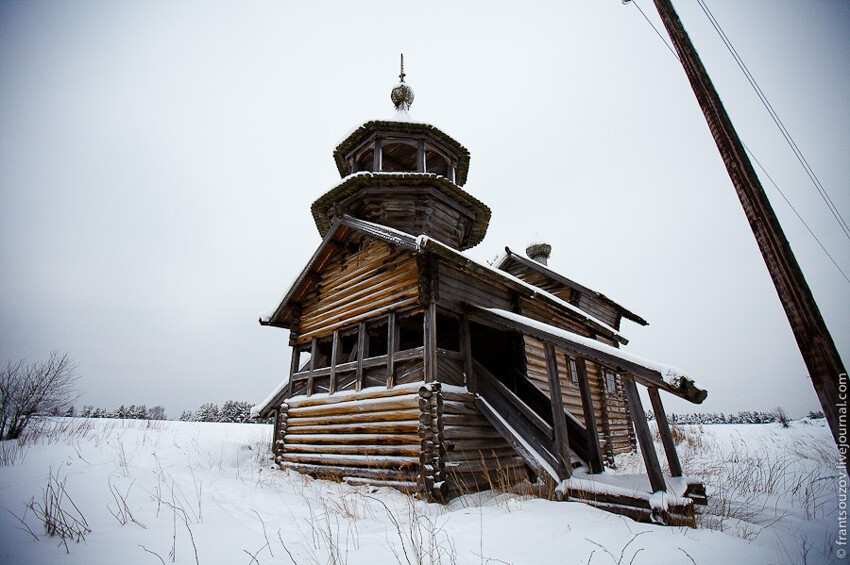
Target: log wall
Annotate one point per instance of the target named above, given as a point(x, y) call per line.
point(476, 456)
point(358, 285)
point(373, 436)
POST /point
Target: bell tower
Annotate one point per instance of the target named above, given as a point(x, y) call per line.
point(406, 175)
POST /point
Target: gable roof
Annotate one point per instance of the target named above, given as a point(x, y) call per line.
point(524, 260)
point(284, 314)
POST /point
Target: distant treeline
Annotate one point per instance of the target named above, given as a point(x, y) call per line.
point(744, 417)
point(132, 412)
point(231, 411)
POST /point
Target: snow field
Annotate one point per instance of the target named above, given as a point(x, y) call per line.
point(189, 492)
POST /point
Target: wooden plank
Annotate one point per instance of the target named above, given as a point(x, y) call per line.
point(562, 438)
point(362, 348)
point(664, 432)
point(650, 458)
point(593, 449)
point(430, 342)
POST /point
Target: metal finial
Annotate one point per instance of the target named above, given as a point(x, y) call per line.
point(402, 94)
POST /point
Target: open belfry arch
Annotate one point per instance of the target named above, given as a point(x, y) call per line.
point(418, 367)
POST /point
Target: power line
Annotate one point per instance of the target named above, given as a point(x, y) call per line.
point(769, 107)
point(773, 182)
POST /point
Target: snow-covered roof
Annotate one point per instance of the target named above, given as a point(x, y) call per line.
point(650, 373)
point(549, 272)
point(399, 125)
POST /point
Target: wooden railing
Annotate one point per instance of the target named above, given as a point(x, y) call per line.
point(528, 432)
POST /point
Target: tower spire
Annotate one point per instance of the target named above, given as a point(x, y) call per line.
point(401, 76)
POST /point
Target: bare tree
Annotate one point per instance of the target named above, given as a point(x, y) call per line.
point(34, 389)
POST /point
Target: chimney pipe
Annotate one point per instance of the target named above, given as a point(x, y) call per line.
point(539, 252)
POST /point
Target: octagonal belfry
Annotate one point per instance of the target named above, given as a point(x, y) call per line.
point(406, 175)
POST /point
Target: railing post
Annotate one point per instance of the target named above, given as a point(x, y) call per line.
point(314, 358)
point(392, 346)
point(466, 348)
point(647, 449)
point(664, 432)
point(362, 346)
point(593, 449)
point(334, 355)
point(430, 342)
point(559, 419)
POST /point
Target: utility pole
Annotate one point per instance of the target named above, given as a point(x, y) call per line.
point(813, 338)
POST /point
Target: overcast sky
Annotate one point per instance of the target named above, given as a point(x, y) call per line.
point(158, 161)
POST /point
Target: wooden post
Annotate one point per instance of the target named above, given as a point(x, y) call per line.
point(430, 342)
point(664, 432)
point(362, 347)
point(392, 346)
point(813, 338)
point(377, 156)
point(293, 368)
point(466, 348)
point(420, 156)
point(593, 449)
point(314, 358)
point(559, 419)
point(334, 355)
point(647, 449)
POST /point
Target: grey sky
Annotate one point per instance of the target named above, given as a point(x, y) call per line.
point(158, 161)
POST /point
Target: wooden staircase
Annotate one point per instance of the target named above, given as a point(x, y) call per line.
point(523, 415)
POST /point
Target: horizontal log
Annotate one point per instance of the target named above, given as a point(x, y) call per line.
point(410, 450)
point(371, 461)
point(476, 444)
point(408, 401)
point(469, 432)
point(454, 407)
point(355, 439)
point(408, 487)
point(344, 471)
point(492, 465)
point(363, 428)
point(389, 415)
point(482, 454)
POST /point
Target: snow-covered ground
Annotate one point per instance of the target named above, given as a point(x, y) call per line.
point(184, 492)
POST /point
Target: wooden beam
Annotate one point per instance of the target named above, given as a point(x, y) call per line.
point(664, 432)
point(314, 358)
point(362, 347)
point(429, 328)
point(392, 347)
point(593, 449)
point(559, 420)
point(466, 349)
point(334, 355)
point(647, 449)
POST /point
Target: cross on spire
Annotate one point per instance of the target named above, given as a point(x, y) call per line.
point(401, 76)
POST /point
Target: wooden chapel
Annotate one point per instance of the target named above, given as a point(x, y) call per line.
point(417, 367)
